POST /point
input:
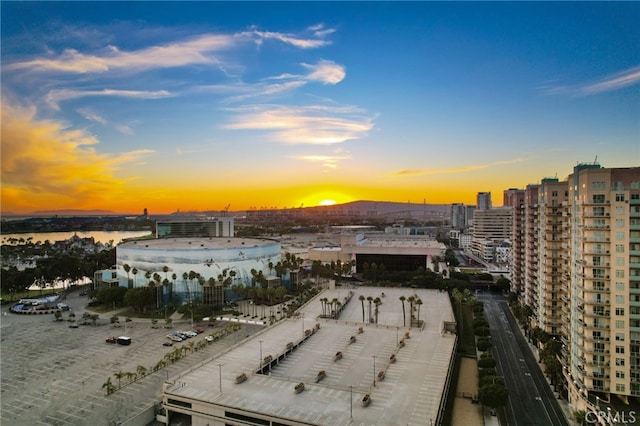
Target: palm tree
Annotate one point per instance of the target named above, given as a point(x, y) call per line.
point(174, 277)
point(404, 316)
point(119, 375)
point(165, 269)
point(418, 302)
point(361, 298)
point(185, 277)
point(377, 302)
point(411, 300)
point(108, 386)
point(370, 299)
point(165, 289)
point(192, 276)
point(127, 268)
point(134, 271)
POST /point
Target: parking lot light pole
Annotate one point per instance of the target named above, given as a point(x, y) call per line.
point(351, 402)
point(260, 356)
point(220, 373)
point(374, 371)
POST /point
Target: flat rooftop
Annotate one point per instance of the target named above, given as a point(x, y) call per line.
point(410, 393)
point(198, 243)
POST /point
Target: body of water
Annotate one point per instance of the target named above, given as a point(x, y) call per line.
point(99, 236)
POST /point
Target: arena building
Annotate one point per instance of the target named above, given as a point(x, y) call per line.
point(395, 252)
point(174, 260)
point(365, 367)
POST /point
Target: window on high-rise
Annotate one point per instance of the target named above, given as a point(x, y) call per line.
point(620, 337)
point(619, 273)
point(598, 198)
point(597, 185)
point(619, 285)
point(620, 362)
point(619, 323)
point(619, 210)
point(619, 298)
point(619, 374)
point(620, 387)
point(619, 223)
point(619, 312)
point(619, 349)
point(619, 261)
point(619, 236)
point(619, 197)
point(619, 248)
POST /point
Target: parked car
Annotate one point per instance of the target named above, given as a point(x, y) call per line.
point(111, 339)
point(73, 325)
point(123, 340)
point(167, 343)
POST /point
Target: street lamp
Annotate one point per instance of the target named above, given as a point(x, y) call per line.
point(374, 370)
point(351, 402)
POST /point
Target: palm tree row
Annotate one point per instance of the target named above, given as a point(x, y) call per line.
point(414, 305)
point(175, 355)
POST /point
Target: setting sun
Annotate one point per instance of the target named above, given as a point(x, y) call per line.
point(327, 202)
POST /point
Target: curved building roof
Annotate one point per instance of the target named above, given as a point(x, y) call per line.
point(199, 243)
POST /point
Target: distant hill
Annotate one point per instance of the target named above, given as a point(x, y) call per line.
point(73, 212)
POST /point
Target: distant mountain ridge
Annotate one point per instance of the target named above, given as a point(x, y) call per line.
point(65, 212)
point(363, 207)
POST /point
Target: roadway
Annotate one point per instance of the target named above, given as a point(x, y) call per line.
point(531, 400)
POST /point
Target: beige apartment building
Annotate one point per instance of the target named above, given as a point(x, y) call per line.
point(582, 278)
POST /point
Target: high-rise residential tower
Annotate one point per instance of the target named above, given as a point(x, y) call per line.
point(602, 359)
point(514, 198)
point(582, 279)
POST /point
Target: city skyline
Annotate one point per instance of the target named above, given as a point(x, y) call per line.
point(122, 106)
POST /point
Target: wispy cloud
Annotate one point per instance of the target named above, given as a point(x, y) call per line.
point(304, 43)
point(463, 169)
point(609, 83)
point(328, 161)
point(90, 115)
point(314, 125)
point(43, 161)
point(320, 31)
point(195, 51)
point(325, 72)
point(200, 49)
point(54, 97)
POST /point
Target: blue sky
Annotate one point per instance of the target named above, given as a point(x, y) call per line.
point(197, 105)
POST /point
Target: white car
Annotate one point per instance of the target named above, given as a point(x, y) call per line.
point(209, 338)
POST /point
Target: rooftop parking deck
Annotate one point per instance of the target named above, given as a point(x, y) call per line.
point(409, 393)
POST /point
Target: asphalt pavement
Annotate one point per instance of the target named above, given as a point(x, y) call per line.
point(53, 374)
point(531, 400)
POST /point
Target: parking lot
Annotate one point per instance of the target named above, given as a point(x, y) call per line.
point(53, 374)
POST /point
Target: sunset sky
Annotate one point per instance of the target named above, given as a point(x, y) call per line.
point(198, 105)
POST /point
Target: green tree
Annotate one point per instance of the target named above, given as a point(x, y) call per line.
point(108, 386)
point(493, 395)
